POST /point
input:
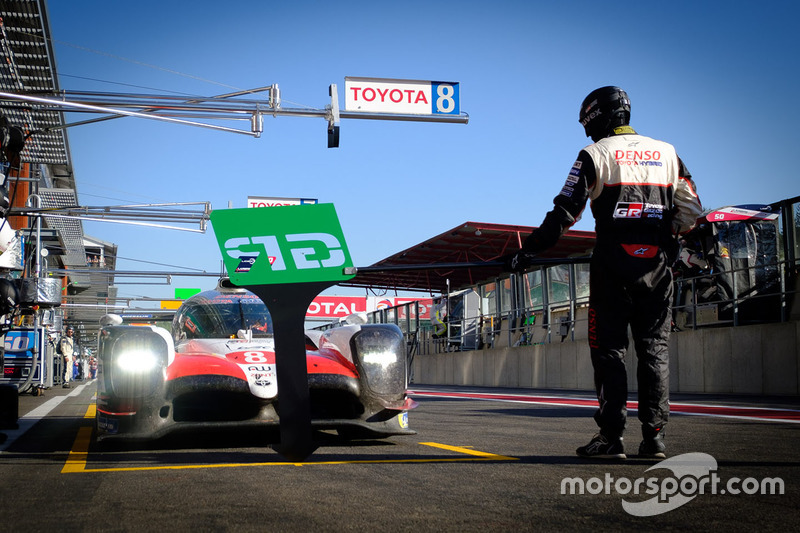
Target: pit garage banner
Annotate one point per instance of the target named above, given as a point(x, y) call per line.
point(337, 307)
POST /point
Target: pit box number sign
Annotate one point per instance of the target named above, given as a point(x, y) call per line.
point(413, 97)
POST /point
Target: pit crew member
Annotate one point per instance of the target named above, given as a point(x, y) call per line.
point(642, 197)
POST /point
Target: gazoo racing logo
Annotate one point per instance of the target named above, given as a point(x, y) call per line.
point(284, 244)
point(628, 210)
point(305, 251)
point(639, 210)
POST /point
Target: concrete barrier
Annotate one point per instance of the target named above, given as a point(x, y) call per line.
point(759, 359)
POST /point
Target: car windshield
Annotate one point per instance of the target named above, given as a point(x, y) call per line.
point(217, 315)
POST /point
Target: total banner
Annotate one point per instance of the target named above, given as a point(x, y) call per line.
point(336, 307)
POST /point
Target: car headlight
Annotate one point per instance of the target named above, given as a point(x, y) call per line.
point(137, 361)
point(383, 358)
point(133, 360)
point(380, 355)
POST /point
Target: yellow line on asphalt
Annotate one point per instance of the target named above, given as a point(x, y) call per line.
point(315, 463)
point(79, 455)
point(76, 461)
point(459, 449)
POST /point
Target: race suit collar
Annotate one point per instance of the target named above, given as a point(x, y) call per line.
point(623, 130)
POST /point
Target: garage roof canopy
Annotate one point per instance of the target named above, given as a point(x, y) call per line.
point(470, 242)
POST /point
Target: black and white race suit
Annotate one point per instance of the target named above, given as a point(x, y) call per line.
point(642, 196)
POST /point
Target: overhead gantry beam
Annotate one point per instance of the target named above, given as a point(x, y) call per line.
point(199, 111)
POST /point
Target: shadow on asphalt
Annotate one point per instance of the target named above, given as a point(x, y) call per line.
point(544, 412)
point(229, 439)
point(632, 460)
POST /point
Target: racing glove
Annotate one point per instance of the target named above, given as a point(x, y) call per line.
point(518, 261)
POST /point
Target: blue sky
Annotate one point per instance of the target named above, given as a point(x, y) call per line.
point(720, 84)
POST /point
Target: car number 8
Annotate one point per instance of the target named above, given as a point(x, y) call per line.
point(255, 357)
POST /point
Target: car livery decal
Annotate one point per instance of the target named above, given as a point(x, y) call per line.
point(259, 368)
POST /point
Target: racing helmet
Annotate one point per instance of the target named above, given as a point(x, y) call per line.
point(603, 110)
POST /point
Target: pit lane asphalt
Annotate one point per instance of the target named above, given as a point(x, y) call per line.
point(475, 465)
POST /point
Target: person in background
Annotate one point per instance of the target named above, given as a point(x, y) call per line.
point(67, 345)
point(642, 197)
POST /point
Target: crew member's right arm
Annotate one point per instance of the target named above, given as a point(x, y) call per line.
point(567, 206)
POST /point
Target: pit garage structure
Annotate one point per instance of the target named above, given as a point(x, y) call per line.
point(45, 179)
point(474, 302)
point(736, 327)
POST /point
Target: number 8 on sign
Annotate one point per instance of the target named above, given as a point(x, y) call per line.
point(446, 98)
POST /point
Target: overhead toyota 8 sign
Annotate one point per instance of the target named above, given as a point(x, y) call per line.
point(413, 97)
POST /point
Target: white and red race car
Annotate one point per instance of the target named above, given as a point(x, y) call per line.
point(217, 369)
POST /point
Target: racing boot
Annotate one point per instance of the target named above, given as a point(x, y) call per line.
point(602, 447)
point(652, 445)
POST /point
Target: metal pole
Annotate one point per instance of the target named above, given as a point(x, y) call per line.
point(573, 277)
point(477, 264)
point(735, 295)
point(782, 273)
point(546, 300)
point(37, 353)
point(100, 109)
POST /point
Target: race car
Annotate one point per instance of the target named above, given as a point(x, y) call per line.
point(217, 370)
point(730, 263)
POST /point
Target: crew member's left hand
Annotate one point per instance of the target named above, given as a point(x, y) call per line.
point(518, 261)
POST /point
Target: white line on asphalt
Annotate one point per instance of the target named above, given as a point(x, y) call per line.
point(28, 420)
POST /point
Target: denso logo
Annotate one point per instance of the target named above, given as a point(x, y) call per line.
point(638, 157)
point(304, 250)
point(628, 210)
